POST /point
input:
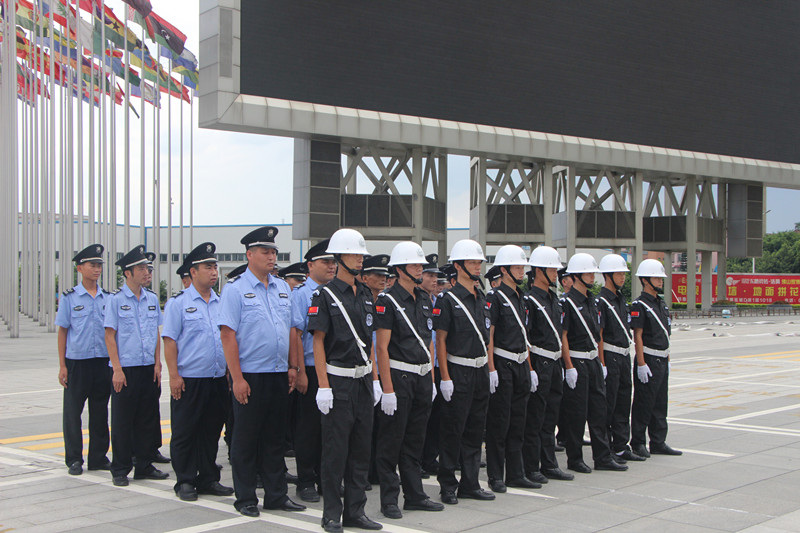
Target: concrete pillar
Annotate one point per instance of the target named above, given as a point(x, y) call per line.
point(572, 217)
point(548, 199)
point(477, 219)
point(705, 287)
point(417, 196)
point(690, 200)
point(638, 231)
point(442, 195)
point(668, 290)
point(722, 256)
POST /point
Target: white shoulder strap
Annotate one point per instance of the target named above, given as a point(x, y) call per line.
point(585, 325)
point(516, 315)
point(619, 320)
point(652, 312)
point(413, 329)
point(471, 321)
point(549, 320)
point(359, 342)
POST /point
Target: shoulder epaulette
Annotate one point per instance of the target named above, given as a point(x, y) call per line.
point(116, 291)
point(298, 286)
point(177, 294)
point(149, 290)
point(68, 291)
point(105, 291)
point(234, 278)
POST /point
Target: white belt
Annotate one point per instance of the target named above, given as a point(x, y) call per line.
point(516, 357)
point(546, 353)
point(657, 353)
point(357, 372)
point(422, 369)
point(583, 355)
point(466, 361)
point(616, 349)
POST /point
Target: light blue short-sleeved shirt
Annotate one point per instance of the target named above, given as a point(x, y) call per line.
point(136, 322)
point(301, 301)
point(261, 317)
point(192, 324)
point(83, 316)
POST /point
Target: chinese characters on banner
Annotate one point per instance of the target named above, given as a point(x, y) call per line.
point(745, 288)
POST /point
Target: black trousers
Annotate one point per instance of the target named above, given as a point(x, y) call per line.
point(308, 442)
point(346, 436)
point(197, 420)
point(543, 411)
point(401, 437)
point(619, 387)
point(135, 421)
point(462, 427)
point(649, 410)
point(505, 420)
point(258, 440)
point(87, 379)
point(291, 420)
point(430, 450)
point(229, 416)
point(586, 403)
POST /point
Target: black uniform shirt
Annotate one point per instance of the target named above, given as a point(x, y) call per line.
point(652, 334)
point(450, 317)
point(403, 345)
point(508, 334)
point(612, 332)
point(577, 335)
point(325, 315)
point(539, 331)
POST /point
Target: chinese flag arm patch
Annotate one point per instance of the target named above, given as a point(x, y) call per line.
point(488, 305)
point(312, 311)
point(634, 314)
point(437, 311)
point(380, 309)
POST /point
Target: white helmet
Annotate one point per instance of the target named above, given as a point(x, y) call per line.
point(509, 255)
point(545, 257)
point(407, 253)
point(613, 263)
point(581, 263)
point(347, 241)
point(465, 250)
point(651, 268)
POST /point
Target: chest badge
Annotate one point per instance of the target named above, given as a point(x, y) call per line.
point(191, 309)
point(250, 295)
point(430, 324)
point(78, 308)
point(369, 319)
point(283, 295)
point(488, 323)
point(151, 307)
point(125, 307)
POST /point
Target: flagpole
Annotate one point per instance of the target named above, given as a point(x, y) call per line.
point(191, 171)
point(112, 200)
point(157, 185)
point(127, 160)
point(169, 180)
point(51, 221)
point(91, 215)
point(43, 273)
point(181, 168)
point(103, 147)
point(9, 121)
point(79, 83)
point(142, 226)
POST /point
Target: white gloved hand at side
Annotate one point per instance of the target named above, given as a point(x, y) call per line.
point(447, 389)
point(433, 393)
point(534, 381)
point(494, 381)
point(324, 400)
point(571, 377)
point(389, 403)
point(377, 392)
point(605, 371)
point(643, 372)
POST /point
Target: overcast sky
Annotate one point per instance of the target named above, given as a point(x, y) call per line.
point(247, 179)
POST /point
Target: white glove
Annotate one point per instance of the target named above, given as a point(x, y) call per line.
point(389, 403)
point(324, 400)
point(377, 392)
point(644, 373)
point(494, 381)
point(433, 393)
point(534, 381)
point(447, 389)
point(669, 366)
point(562, 374)
point(605, 371)
point(571, 377)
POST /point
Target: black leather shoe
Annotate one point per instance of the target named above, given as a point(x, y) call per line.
point(580, 467)
point(331, 526)
point(104, 466)
point(449, 497)
point(424, 505)
point(219, 466)
point(308, 494)
point(120, 481)
point(663, 449)
point(610, 465)
point(391, 511)
point(186, 492)
point(641, 450)
point(537, 477)
point(160, 458)
point(251, 511)
point(629, 456)
point(557, 474)
point(477, 494)
point(368, 487)
point(559, 447)
point(523, 483)
point(497, 485)
point(587, 442)
point(151, 473)
point(619, 460)
point(291, 479)
point(362, 522)
point(424, 475)
point(287, 505)
point(76, 468)
point(216, 489)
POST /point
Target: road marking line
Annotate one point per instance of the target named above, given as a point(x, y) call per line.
point(46, 436)
point(28, 478)
point(765, 354)
point(45, 446)
point(736, 427)
point(13, 462)
point(721, 380)
point(211, 526)
point(29, 392)
point(791, 357)
point(30, 455)
point(757, 413)
point(712, 454)
point(517, 492)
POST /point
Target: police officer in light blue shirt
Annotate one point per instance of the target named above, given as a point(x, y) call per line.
point(132, 318)
point(83, 360)
point(255, 319)
point(196, 363)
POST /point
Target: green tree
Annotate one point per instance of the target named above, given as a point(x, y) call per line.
point(781, 255)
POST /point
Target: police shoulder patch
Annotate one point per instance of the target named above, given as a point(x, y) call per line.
point(380, 309)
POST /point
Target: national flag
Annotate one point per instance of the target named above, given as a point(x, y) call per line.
point(115, 31)
point(380, 309)
point(164, 33)
point(143, 7)
point(437, 311)
point(634, 314)
point(312, 311)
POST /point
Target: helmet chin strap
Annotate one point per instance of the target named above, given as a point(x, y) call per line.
point(473, 277)
point(352, 271)
point(402, 268)
point(659, 290)
point(580, 278)
point(508, 271)
point(550, 282)
point(614, 283)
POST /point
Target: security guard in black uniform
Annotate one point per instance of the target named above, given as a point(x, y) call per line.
point(341, 319)
point(461, 319)
point(510, 374)
point(404, 322)
point(584, 398)
point(544, 403)
point(614, 352)
point(652, 327)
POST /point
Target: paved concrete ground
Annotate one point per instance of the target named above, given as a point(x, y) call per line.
point(734, 411)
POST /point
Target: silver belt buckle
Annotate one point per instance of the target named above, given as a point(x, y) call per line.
point(424, 368)
point(360, 371)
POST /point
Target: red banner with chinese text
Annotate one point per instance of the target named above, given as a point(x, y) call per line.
point(745, 288)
